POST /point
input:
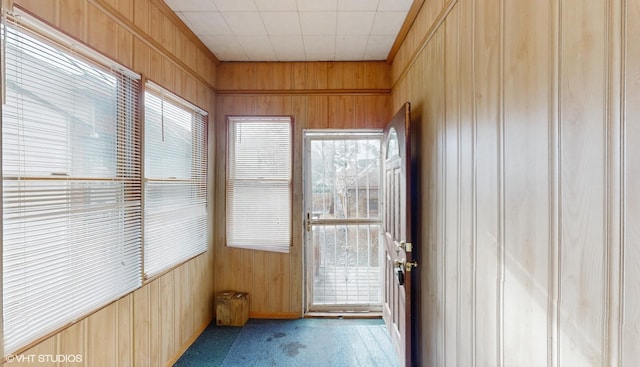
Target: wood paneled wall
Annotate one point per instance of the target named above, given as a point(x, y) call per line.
point(318, 95)
point(154, 324)
point(526, 118)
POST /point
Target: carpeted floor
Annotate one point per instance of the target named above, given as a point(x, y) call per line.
point(303, 342)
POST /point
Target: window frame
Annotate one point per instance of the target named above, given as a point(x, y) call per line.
point(127, 142)
point(164, 94)
point(228, 180)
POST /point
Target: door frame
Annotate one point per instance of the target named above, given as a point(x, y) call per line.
point(332, 134)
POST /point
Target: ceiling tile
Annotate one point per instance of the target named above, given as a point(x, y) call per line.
point(236, 5)
point(288, 48)
point(354, 23)
point(388, 23)
point(318, 22)
point(295, 30)
point(245, 23)
point(350, 48)
point(257, 47)
point(400, 5)
point(227, 48)
point(350, 5)
point(319, 48)
point(315, 5)
point(209, 23)
point(191, 5)
point(276, 5)
point(378, 47)
point(281, 23)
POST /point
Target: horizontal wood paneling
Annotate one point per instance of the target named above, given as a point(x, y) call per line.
point(308, 77)
point(154, 324)
point(527, 172)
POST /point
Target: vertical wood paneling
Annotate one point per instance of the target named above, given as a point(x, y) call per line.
point(525, 171)
point(452, 250)
point(164, 311)
point(630, 271)
point(142, 326)
point(124, 328)
point(583, 155)
point(461, 88)
point(487, 44)
point(32, 355)
point(101, 33)
point(160, 328)
point(102, 336)
point(71, 341)
point(72, 17)
point(302, 90)
point(538, 87)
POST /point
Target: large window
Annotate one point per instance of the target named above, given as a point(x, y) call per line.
point(88, 186)
point(175, 199)
point(71, 185)
point(259, 183)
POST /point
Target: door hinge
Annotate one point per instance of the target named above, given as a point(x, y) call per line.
point(406, 246)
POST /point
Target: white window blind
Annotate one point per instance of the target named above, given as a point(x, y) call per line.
point(71, 185)
point(259, 183)
point(175, 204)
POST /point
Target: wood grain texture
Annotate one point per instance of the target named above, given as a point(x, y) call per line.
point(583, 129)
point(630, 254)
point(149, 326)
point(274, 281)
point(540, 128)
point(525, 208)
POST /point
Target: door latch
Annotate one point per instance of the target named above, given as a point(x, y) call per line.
point(308, 222)
point(406, 265)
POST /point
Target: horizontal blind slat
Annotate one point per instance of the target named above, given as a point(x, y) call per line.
point(70, 245)
point(175, 187)
point(259, 183)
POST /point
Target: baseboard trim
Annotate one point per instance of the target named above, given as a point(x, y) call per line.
point(186, 345)
point(343, 315)
point(275, 315)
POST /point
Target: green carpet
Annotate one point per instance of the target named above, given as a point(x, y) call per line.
point(303, 342)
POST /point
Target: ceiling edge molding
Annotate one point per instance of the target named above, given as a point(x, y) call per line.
point(404, 30)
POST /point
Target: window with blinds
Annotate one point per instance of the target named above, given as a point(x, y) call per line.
point(71, 183)
point(259, 160)
point(175, 183)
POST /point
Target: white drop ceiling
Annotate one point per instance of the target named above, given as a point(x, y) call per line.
point(295, 30)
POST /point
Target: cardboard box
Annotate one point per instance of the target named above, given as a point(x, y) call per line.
point(232, 308)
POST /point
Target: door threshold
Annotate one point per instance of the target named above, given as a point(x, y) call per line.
point(343, 315)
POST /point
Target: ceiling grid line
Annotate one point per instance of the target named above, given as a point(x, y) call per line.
point(295, 30)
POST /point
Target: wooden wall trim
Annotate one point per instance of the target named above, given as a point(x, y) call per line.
point(275, 315)
point(425, 40)
point(164, 8)
point(555, 236)
point(183, 348)
point(305, 92)
point(615, 185)
point(111, 12)
point(404, 30)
